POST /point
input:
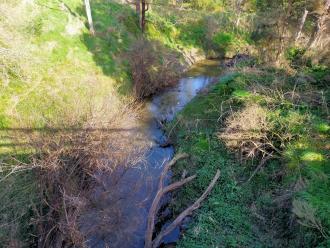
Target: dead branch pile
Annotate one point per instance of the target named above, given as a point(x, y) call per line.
point(247, 130)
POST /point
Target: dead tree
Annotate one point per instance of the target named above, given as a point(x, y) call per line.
point(149, 242)
point(89, 17)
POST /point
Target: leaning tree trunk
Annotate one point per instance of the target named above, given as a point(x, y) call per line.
point(321, 26)
point(89, 17)
point(301, 26)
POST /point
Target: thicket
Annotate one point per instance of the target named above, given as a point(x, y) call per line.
point(153, 67)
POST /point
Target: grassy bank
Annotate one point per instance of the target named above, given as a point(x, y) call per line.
point(65, 97)
point(268, 133)
point(209, 34)
point(61, 89)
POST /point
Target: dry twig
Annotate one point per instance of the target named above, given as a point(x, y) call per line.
point(263, 161)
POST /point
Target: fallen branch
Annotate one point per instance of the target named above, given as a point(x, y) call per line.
point(263, 161)
point(156, 242)
point(160, 193)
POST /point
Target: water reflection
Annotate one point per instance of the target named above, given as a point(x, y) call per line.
point(164, 107)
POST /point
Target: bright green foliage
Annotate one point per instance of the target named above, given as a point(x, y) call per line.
point(213, 33)
point(223, 39)
point(295, 56)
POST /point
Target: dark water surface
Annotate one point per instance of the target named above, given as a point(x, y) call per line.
point(118, 215)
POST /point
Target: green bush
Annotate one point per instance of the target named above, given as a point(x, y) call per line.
point(295, 56)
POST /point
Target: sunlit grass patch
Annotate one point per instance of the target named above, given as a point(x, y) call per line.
point(312, 156)
point(323, 127)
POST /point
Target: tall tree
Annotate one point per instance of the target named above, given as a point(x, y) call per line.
point(145, 7)
point(138, 10)
point(89, 17)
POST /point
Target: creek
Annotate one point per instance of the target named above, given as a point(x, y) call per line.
point(118, 217)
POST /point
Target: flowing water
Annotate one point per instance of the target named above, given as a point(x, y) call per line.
point(118, 216)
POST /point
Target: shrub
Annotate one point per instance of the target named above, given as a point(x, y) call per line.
point(246, 130)
point(223, 39)
point(295, 56)
point(153, 67)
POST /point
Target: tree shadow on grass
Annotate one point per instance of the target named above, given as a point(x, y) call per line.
point(116, 28)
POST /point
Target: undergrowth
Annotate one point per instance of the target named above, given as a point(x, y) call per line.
point(213, 34)
point(268, 133)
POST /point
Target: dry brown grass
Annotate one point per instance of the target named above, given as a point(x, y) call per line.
point(306, 215)
point(65, 159)
point(246, 130)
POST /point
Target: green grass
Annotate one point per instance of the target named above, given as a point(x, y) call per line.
point(61, 60)
point(225, 219)
point(212, 33)
point(240, 214)
point(55, 75)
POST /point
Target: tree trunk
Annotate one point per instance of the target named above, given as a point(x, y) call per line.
point(143, 15)
point(238, 6)
point(321, 26)
point(89, 17)
point(138, 11)
point(301, 26)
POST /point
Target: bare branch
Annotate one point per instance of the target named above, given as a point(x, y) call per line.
point(263, 161)
point(161, 191)
point(156, 242)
